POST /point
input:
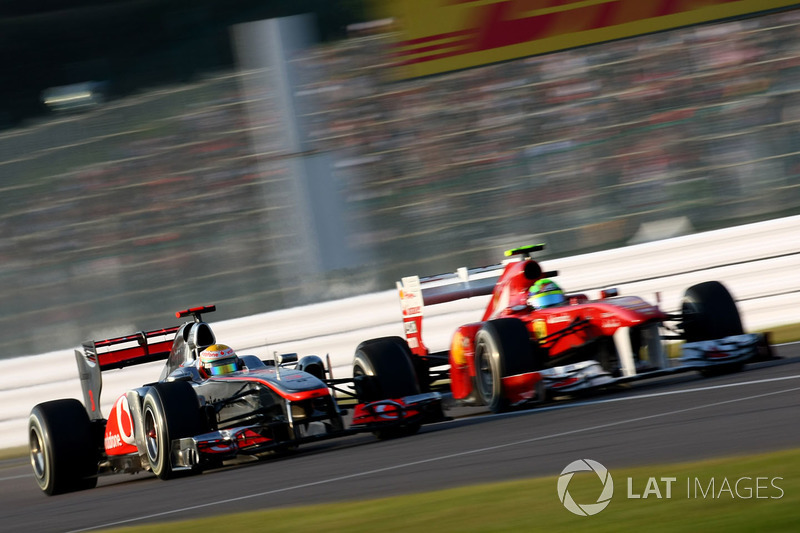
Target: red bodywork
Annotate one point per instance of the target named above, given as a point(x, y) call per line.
point(383, 411)
point(559, 330)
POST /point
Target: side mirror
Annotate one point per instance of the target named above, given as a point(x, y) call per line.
point(609, 293)
point(286, 358)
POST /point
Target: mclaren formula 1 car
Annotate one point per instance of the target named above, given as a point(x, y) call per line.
point(187, 422)
point(518, 354)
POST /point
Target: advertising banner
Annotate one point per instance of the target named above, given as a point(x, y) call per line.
point(444, 35)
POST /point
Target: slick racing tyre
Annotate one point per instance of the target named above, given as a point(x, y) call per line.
point(502, 348)
point(709, 312)
point(170, 411)
point(387, 361)
point(64, 456)
point(383, 370)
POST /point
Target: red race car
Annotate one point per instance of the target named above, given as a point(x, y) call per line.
point(209, 405)
point(535, 342)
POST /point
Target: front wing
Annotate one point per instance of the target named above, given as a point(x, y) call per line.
point(254, 439)
point(708, 357)
point(736, 349)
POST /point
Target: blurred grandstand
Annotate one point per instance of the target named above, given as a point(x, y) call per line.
point(116, 217)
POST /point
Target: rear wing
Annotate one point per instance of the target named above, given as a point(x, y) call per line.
point(416, 292)
point(94, 357)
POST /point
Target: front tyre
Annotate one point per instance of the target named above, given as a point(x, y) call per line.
point(383, 369)
point(709, 312)
point(388, 363)
point(63, 453)
point(170, 411)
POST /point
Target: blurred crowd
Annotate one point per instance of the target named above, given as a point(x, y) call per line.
point(118, 217)
point(697, 123)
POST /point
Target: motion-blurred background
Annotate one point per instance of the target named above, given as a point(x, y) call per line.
point(157, 155)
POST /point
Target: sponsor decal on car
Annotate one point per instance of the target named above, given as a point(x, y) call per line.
point(540, 328)
point(559, 319)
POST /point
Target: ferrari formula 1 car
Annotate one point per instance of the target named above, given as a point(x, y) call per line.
point(518, 354)
point(186, 421)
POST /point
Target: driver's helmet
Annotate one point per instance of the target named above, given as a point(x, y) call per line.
point(545, 293)
point(218, 360)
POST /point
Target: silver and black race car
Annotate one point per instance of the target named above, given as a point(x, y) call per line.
point(187, 422)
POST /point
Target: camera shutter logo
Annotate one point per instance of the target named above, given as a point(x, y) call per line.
point(585, 465)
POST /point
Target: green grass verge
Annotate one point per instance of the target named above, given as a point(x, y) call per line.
point(781, 334)
point(532, 504)
point(13, 453)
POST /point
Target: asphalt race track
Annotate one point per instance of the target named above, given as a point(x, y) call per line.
point(681, 418)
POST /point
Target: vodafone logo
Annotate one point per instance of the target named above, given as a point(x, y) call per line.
point(586, 509)
point(124, 420)
point(386, 411)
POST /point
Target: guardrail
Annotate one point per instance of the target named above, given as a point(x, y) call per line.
point(759, 263)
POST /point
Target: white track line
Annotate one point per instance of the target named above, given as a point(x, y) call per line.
point(466, 452)
point(16, 477)
point(638, 397)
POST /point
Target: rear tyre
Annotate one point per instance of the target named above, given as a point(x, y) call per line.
point(170, 411)
point(383, 369)
point(64, 456)
point(502, 348)
point(709, 312)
